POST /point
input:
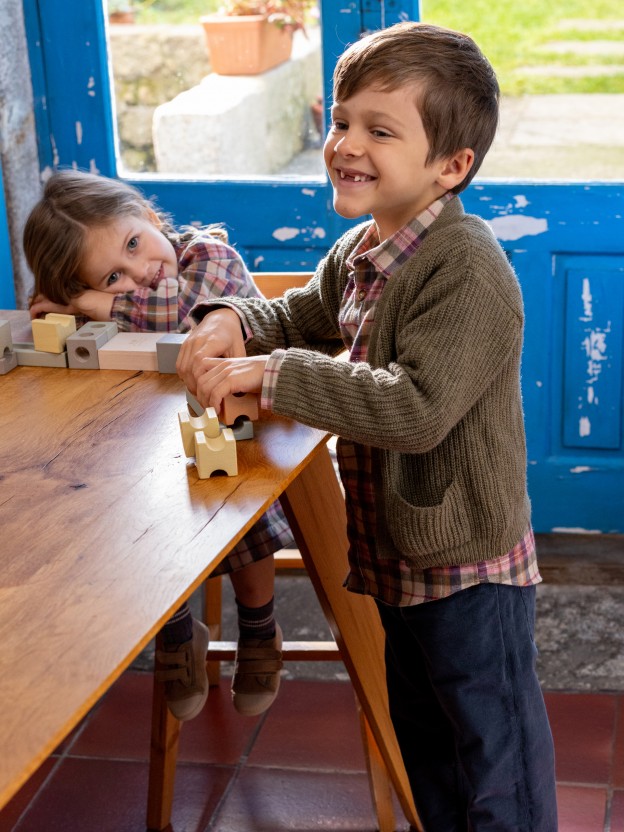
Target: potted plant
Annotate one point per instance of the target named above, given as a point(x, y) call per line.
point(247, 37)
point(120, 11)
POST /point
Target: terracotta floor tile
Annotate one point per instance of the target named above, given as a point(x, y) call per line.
point(104, 795)
point(16, 806)
point(618, 749)
point(617, 812)
point(583, 728)
point(272, 800)
point(119, 727)
point(218, 735)
point(581, 808)
point(311, 725)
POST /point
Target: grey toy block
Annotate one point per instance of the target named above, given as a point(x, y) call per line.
point(242, 429)
point(83, 345)
point(8, 362)
point(6, 342)
point(28, 356)
point(194, 406)
point(167, 350)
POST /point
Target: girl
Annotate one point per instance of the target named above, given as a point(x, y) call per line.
point(100, 250)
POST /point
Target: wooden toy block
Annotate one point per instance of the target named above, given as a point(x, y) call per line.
point(239, 404)
point(28, 356)
point(51, 333)
point(6, 341)
point(130, 351)
point(216, 453)
point(83, 345)
point(242, 427)
point(195, 409)
point(8, 362)
point(207, 423)
point(167, 349)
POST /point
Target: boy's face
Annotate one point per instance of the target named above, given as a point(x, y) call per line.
point(375, 154)
point(128, 253)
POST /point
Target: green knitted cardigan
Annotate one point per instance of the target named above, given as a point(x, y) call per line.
point(438, 399)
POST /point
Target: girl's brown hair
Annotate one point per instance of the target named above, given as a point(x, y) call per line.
point(72, 203)
point(458, 96)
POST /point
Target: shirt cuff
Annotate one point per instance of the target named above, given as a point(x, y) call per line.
point(199, 312)
point(269, 379)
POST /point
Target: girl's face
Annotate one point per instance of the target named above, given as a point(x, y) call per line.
point(127, 253)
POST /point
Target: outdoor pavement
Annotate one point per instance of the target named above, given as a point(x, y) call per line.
point(562, 137)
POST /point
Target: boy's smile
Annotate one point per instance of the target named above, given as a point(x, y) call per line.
point(375, 154)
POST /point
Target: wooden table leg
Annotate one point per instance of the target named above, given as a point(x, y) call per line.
point(379, 782)
point(315, 508)
point(163, 758)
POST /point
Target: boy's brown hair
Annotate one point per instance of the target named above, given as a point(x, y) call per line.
point(458, 96)
point(73, 202)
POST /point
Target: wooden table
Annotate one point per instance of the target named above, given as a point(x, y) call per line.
point(106, 529)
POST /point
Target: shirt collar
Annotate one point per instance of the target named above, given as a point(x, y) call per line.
point(386, 257)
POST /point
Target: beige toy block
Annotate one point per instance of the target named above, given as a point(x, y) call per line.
point(239, 404)
point(51, 333)
point(216, 454)
point(207, 423)
point(130, 351)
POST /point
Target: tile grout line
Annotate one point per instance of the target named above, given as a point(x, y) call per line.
point(61, 758)
point(242, 762)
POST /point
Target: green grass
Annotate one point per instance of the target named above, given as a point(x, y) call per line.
point(173, 12)
point(512, 33)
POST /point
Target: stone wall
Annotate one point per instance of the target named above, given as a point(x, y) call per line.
point(18, 142)
point(242, 125)
point(151, 65)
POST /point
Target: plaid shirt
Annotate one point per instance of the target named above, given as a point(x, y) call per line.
point(207, 269)
point(394, 581)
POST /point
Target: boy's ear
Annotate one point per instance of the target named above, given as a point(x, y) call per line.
point(455, 169)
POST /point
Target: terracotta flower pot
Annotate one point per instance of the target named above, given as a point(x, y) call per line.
point(245, 44)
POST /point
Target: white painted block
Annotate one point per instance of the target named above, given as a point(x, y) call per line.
point(130, 351)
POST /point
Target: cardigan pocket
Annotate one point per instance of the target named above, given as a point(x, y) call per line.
point(423, 530)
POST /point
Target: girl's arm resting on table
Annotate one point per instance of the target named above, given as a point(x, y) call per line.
point(91, 304)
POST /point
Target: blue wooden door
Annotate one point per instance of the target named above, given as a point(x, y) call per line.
point(7, 290)
point(566, 242)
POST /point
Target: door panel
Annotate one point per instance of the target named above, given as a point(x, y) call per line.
point(566, 243)
point(565, 240)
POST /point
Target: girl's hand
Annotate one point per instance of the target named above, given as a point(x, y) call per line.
point(92, 304)
point(40, 305)
point(218, 335)
point(224, 376)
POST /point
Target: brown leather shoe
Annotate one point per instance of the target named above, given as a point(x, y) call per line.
point(185, 676)
point(257, 674)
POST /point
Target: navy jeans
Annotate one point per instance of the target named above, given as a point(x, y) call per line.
point(468, 711)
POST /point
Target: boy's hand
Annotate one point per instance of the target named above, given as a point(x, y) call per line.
point(224, 376)
point(218, 335)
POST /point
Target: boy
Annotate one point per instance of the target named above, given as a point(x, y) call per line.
point(428, 412)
